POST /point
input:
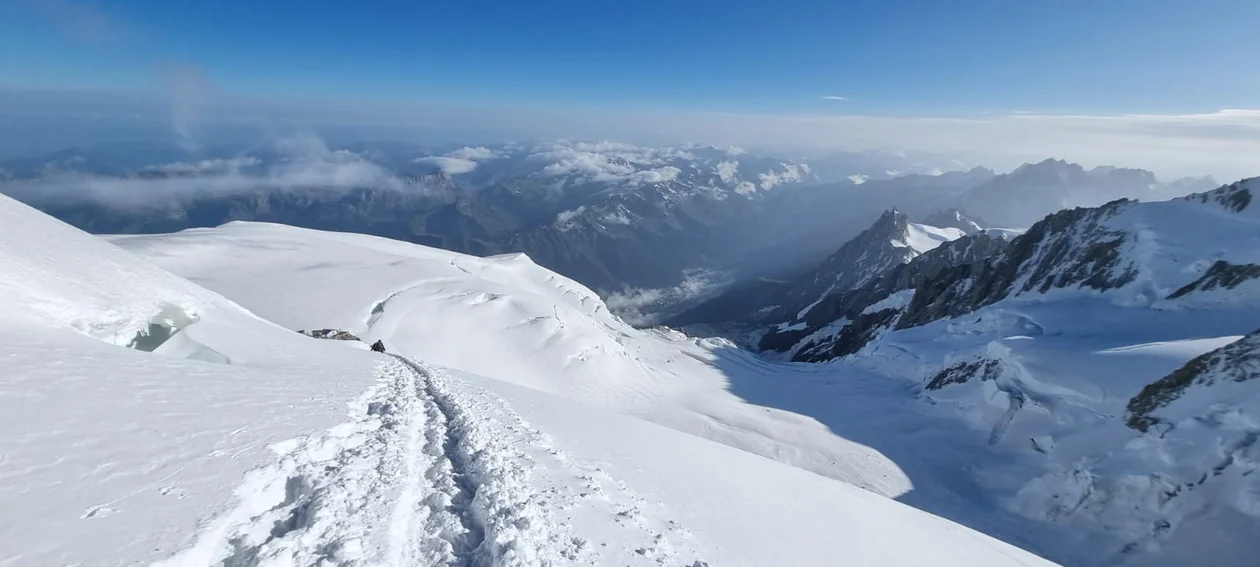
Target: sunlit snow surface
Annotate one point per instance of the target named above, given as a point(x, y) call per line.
point(240, 440)
point(921, 237)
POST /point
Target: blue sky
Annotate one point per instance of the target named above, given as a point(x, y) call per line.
point(1169, 85)
point(930, 57)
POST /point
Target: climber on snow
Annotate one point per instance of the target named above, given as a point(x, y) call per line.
point(378, 346)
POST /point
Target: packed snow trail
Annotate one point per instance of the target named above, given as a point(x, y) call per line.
point(431, 471)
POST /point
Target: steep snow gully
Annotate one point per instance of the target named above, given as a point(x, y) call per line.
point(429, 471)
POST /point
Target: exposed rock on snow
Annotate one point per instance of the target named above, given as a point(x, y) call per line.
point(963, 372)
point(1222, 274)
point(1234, 197)
point(333, 334)
point(859, 307)
point(1067, 249)
point(1237, 362)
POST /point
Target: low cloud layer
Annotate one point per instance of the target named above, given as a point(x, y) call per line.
point(608, 162)
point(306, 163)
point(646, 307)
point(1224, 143)
point(449, 165)
point(463, 160)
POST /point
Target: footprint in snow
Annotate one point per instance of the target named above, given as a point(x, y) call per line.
point(173, 491)
point(98, 512)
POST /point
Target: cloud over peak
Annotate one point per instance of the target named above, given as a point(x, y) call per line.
point(449, 165)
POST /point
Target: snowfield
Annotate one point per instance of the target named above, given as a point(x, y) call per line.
point(921, 237)
point(515, 422)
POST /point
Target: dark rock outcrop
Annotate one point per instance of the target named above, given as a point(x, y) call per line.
point(1238, 361)
point(861, 328)
point(331, 334)
point(1222, 274)
point(963, 372)
point(1234, 197)
point(1071, 248)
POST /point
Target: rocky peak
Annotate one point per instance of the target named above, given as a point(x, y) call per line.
point(892, 222)
point(1047, 170)
point(856, 317)
point(1235, 197)
point(1071, 248)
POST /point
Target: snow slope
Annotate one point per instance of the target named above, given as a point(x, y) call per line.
point(1105, 306)
point(237, 441)
point(110, 455)
point(506, 318)
point(921, 237)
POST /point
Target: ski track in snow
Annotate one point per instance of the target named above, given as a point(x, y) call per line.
point(432, 471)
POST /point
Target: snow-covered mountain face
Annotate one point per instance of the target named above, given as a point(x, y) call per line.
point(1075, 345)
point(1138, 254)
point(839, 322)
point(803, 306)
point(148, 420)
point(891, 241)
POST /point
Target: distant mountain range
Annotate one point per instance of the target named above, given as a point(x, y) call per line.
point(613, 216)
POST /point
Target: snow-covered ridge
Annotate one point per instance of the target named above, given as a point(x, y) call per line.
point(1135, 253)
point(1237, 362)
point(921, 238)
point(841, 321)
point(1104, 345)
point(892, 240)
point(173, 457)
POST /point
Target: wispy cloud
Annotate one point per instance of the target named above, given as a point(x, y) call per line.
point(449, 165)
point(190, 92)
point(834, 97)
